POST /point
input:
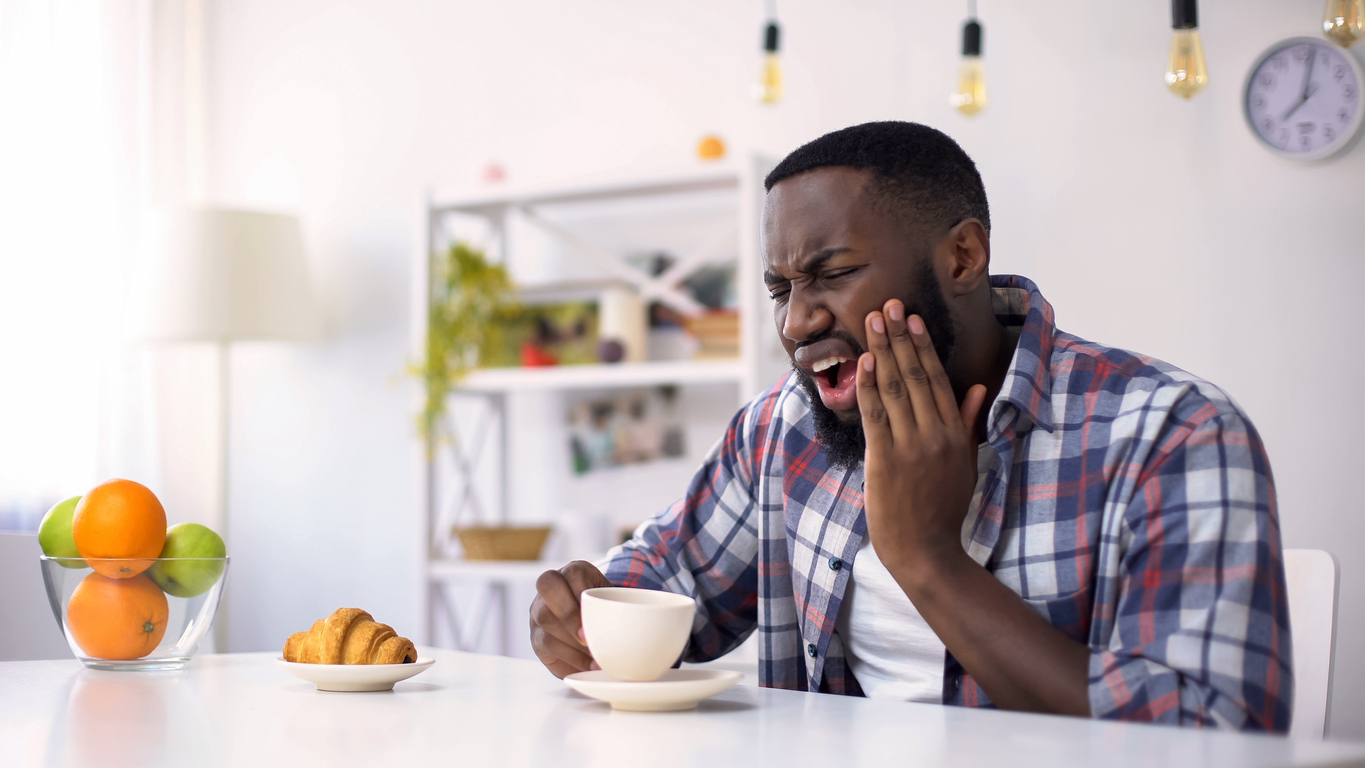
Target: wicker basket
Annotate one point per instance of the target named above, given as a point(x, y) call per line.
point(506, 542)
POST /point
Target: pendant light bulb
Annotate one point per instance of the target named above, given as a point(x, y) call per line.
point(1344, 21)
point(1186, 72)
point(769, 88)
point(970, 96)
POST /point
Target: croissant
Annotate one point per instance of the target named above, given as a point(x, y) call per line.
point(349, 636)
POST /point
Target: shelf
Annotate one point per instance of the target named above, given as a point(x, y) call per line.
point(695, 180)
point(603, 376)
point(500, 570)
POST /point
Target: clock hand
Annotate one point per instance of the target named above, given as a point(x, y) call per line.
point(1295, 108)
point(1308, 76)
point(1307, 86)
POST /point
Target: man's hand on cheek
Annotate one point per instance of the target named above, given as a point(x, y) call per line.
point(920, 465)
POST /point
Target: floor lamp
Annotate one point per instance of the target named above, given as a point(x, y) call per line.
point(221, 276)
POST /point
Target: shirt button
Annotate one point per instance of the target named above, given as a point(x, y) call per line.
point(835, 563)
point(811, 650)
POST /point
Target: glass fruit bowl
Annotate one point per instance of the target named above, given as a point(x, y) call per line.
point(148, 613)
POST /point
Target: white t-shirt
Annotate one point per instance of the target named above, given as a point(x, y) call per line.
point(891, 648)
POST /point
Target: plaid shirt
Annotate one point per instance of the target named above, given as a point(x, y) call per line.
point(1129, 503)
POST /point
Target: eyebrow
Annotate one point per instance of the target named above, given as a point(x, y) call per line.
point(811, 264)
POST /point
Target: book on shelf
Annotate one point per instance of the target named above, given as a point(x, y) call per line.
point(717, 334)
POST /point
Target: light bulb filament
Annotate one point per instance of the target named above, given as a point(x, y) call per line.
point(1186, 72)
point(1344, 21)
point(970, 96)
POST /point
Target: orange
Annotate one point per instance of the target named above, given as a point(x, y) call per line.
point(117, 618)
point(119, 518)
point(711, 148)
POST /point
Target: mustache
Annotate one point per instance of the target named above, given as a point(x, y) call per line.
point(843, 336)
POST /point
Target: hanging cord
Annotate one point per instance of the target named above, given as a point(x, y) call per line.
point(971, 9)
point(771, 6)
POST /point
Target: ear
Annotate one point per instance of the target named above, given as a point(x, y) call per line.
point(967, 250)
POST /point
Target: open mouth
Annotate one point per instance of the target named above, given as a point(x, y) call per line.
point(835, 376)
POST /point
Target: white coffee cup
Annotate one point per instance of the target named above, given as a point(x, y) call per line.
point(636, 634)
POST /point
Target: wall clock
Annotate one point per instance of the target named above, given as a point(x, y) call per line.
point(1302, 99)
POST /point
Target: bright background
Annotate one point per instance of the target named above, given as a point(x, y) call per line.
point(1149, 222)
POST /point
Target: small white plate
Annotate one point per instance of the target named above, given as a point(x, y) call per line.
point(354, 677)
point(678, 689)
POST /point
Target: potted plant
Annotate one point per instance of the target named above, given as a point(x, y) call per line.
point(471, 301)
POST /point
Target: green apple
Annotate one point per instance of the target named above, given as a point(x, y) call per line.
point(189, 578)
point(54, 534)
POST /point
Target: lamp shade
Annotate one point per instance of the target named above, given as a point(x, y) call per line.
point(213, 274)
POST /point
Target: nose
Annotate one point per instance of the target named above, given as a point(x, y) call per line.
point(805, 318)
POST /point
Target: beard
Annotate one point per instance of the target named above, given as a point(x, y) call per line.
point(843, 441)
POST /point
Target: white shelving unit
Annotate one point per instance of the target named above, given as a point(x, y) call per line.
point(605, 376)
point(509, 224)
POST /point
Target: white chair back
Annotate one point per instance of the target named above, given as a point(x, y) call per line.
point(28, 629)
point(1312, 578)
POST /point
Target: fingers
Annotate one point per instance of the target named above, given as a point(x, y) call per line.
point(876, 425)
point(557, 656)
point(544, 619)
point(941, 389)
point(583, 575)
point(556, 623)
point(971, 409)
point(891, 388)
point(560, 589)
point(914, 363)
point(560, 600)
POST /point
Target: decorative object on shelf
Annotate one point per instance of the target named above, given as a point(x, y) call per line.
point(533, 355)
point(502, 542)
point(621, 318)
point(1343, 21)
point(471, 301)
point(1186, 72)
point(970, 96)
point(632, 427)
point(717, 334)
point(711, 148)
point(542, 335)
point(769, 87)
point(1302, 99)
point(611, 351)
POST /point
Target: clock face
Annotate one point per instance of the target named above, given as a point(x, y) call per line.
point(1303, 98)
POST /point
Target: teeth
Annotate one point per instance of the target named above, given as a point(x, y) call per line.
point(828, 362)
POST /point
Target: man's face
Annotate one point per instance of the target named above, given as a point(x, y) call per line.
point(829, 259)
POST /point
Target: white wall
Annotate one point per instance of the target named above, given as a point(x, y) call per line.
point(1150, 222)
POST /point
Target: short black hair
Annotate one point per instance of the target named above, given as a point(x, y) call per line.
point(919, 174)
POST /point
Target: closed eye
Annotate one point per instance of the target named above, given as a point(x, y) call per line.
point(835, 275)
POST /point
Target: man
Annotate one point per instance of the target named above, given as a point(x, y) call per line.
point(951, 500)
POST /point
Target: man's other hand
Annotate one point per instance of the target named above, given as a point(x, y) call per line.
point(556, 626)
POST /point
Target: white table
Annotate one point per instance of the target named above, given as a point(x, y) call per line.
point(472, 710)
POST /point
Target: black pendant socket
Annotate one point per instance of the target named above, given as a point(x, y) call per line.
point(1184, 14)
point(971, 39)
point(770, 38)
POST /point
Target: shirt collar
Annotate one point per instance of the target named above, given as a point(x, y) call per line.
point(1025, 395)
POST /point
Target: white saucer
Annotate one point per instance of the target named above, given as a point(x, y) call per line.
point(678, 689)
point(354, 677)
